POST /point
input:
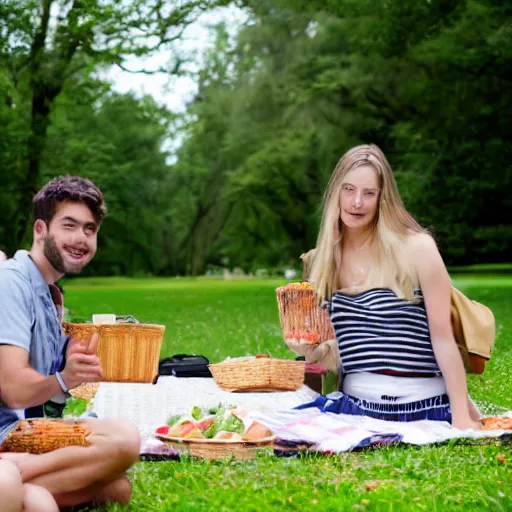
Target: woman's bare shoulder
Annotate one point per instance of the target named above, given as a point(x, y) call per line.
point(421, 243)
point(424, 255)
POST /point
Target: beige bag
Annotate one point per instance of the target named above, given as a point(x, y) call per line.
point(474, 329)
point(307, 261)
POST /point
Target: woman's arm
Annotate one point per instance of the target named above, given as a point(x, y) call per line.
point(435, 285)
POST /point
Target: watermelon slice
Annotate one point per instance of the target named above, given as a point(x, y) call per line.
point(164, 430)
point(180, 429)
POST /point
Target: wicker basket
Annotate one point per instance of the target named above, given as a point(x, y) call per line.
point(45, 435)
point(215, 449)
point(87, 390)
point(128, 352)
point(263, 374)
point(302, 319)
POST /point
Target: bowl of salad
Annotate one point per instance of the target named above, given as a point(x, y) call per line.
point(215, 433)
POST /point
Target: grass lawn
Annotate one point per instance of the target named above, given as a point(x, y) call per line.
point(219, 318)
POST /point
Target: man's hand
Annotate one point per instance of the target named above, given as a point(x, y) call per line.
point(82, 362)
point(92, 347)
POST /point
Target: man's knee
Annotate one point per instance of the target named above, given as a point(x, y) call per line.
point(129, 443)
point(124, 442)
point(119, 490)
point(11, 488)
point(38, 499)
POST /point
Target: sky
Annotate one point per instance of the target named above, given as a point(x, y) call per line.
point(174, 92)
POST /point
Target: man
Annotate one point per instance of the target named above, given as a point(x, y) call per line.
point(68, 212)
point(18, 497)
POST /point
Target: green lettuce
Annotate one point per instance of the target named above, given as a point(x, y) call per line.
point(75, 406)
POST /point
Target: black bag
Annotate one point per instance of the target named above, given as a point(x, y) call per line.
point(184, 365)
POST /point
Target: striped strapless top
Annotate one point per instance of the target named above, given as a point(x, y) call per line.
point(378, 331)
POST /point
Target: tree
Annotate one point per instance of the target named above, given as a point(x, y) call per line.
point(117, 141)
point(43, 43)
point(277, 105)
point(428, 82)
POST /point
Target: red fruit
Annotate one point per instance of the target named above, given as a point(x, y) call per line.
point(163, 430)
point(205, 423)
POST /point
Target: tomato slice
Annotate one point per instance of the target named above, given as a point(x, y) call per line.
point(204, 424)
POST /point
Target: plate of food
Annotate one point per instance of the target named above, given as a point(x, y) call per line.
point(497, 423)
point(216, 433)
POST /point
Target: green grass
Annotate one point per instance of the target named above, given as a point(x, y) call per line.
point(212, 317)
point(219, 318)
point(481, 268)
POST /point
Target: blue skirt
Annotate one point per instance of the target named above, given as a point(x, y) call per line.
point(435, 408)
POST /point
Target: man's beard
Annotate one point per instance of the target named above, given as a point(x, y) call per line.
point(54, 256)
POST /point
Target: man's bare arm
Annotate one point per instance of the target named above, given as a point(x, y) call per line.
point(21, 386)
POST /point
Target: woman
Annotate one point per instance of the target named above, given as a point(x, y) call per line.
point(17, 497)
point(388, 294)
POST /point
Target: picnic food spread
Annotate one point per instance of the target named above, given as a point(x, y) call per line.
point(81, 400)
point(222, 422)
point(75, 406)
point(302, 319)
point(497, 423)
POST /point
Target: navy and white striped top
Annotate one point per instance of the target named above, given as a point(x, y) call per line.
point(377, 331)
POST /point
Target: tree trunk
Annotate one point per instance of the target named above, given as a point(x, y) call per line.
point(41, 109)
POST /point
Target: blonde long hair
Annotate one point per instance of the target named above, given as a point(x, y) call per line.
point(392, 224)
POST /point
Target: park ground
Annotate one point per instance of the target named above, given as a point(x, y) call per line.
point(219, 318)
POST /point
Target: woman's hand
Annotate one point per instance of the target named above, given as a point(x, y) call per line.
point(302, 349)
point(325, 354)
point(466, 423)
point(474, 412)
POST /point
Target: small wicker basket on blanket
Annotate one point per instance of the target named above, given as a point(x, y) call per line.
point(45, 435)
point(128, 352)
point(259, 374)
point(302, 319)
point(215, 449)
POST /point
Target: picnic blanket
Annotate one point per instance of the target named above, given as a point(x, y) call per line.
point(150, 406)
point(315, 430)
